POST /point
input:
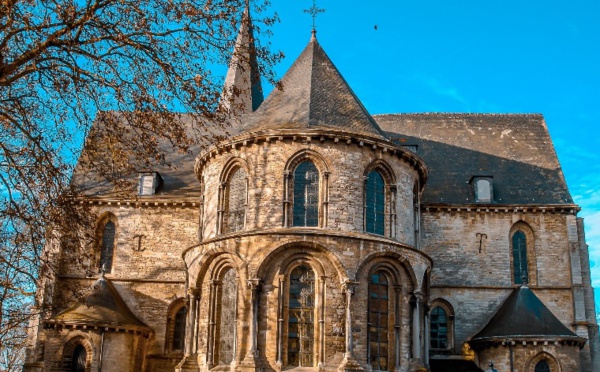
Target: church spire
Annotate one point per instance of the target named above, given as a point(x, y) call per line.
point(242, 91)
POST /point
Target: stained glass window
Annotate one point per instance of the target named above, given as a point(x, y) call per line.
point(306, 195)
point(108, 246)
point(78, 360)
point(542, 366)
point(375, 203)
point(378, 322)
point(438, 328)
point(236, 202)
point(227, 321)
point(301, 326)
point(520, 272)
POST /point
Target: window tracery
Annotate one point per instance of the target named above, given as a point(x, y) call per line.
point(306, 195)
point(301, 325)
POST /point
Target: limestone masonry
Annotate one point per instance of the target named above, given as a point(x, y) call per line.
point(320, 238)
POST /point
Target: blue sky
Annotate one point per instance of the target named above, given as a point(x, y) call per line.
point(471, 56)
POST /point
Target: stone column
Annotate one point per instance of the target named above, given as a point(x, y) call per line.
point(280, 310)
point(397, 327)
point(426, 337)
point(210, 344)
point(416, 344)
point(251, 362)
point(189, 362)
point(349, 363)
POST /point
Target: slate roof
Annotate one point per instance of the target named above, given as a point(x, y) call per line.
point(516, 150)
point(314, 96)
point(177, 171)
point(102, 307)
point(242, 91)
point(524, 316)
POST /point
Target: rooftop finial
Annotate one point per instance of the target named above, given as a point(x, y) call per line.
point(314, 11)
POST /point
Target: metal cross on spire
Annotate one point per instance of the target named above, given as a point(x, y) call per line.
point(314, 11)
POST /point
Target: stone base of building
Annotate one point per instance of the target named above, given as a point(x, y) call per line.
point(188, 364)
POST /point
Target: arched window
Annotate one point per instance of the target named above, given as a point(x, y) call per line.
point(108, 231)
point(176, 321)
point(235, 202)
point(306, 195)
point(77, 355)
point(179, 330)
point(301, 314)
point(79, 359)
point(378, 322)
point(519, 253)
point(438, 328)
point(542, 366)
point(374, 203)
point(226, 332)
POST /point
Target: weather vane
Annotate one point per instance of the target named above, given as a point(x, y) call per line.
point(314, 11)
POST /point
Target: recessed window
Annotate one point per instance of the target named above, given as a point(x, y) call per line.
point(520, 263)
point(483, 188)
point(306, 195)
point(375, 203)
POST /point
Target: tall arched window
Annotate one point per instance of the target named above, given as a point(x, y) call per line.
point(176, 321)
point(542, 366)
point(378, 322)
point(107, 245)
point(179, 329)
point(438, 328)
point(306, 195)
point(226, 332)
point(301, 314)
point(79, 359)
point(236, 200)
point(374, 203)
point(520, 263)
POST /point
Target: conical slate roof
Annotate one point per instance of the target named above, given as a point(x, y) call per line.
point(524, 315)
point(242, 91)
point(102, 307)
point(315, 96)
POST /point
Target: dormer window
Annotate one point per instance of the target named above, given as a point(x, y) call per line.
point(483, 188)
point(148, 183)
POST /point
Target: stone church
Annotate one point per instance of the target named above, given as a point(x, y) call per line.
point(317, 237)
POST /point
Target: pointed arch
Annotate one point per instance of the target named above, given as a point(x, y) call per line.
point(522, 254)
point(106, 241)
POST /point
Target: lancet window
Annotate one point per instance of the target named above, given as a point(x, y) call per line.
point(374, 203)
point(520, 263)
point(106, 235)
point(306, 195)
